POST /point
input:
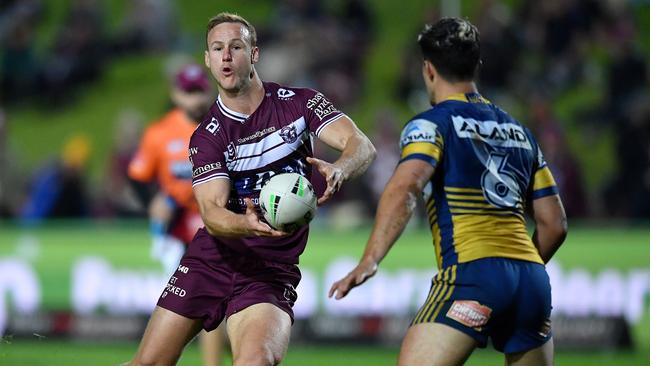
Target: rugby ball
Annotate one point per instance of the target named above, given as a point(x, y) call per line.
point(288, 201)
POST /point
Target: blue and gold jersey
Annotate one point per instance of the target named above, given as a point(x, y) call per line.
point(488, 167)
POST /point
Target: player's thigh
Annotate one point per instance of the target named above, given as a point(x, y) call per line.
point(166, 335)
point(213, 344)
point(259, 334)
point(435, 344)
point(540, 356)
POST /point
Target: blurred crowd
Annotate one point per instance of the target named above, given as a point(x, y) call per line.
point(535, 53)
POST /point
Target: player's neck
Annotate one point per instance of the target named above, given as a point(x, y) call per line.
point(247, 100)
point(445, 90)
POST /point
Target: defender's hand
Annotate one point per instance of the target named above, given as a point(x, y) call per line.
point(255, 226)
point(360, 274)
point(333, 175)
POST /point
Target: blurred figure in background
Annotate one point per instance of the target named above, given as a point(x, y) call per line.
point(11, 184)
point(58, 190)
point(119, 198)
point(164, 172)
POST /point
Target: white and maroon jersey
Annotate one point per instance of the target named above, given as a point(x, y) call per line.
point(249, 149)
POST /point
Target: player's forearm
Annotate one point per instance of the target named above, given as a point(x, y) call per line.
point(356, 157)
point(548, 238)
point(220, 221)
point(395, 208)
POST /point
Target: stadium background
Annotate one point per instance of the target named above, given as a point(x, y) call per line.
point(79, 80)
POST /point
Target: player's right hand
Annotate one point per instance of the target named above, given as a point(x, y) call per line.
point(255, 226)
point(360, 274)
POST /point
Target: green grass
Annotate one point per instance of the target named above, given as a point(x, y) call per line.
point(53, 353)
point(126, 244)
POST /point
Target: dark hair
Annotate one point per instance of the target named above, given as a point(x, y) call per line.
point(231, 18)
point(453, 46)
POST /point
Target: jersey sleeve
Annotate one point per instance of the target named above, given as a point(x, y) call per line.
point(543, 183)
point(144, 165)
point(207, 157)
point(319, 111)
point(421, 139)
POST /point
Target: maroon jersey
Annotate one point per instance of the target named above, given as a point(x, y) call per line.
point(250, 149)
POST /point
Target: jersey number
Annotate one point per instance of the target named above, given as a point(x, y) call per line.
point(500, 187)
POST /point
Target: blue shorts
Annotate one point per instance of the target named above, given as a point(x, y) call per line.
point(505, 299)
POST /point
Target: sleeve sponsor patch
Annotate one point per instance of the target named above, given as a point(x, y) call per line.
point(419, 130)
point(321, 106)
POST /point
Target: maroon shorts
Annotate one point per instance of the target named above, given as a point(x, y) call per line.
point(213, 282)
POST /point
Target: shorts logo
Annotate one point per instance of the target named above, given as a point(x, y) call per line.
point(469, 313)
point(546, 329)
point(285, 94)
point(289, 134)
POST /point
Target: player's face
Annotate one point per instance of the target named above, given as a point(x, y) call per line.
point(230, 56)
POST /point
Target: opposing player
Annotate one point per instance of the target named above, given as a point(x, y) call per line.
point(238, 267)
point(478, 170)
point(162, 160)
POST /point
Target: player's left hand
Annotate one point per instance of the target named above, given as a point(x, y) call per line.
point(333, 176)
point(360, 274)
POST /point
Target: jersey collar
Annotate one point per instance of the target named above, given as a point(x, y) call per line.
point(468, 98)
point(239, 117)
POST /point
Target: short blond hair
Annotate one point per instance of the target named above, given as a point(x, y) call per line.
point(232, 18)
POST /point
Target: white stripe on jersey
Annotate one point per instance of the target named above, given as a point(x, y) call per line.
point(327, 123)
point(209, 178)
point(240, 117)
point(268, 150)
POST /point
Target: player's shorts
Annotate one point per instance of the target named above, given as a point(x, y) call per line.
point(504, 299)
point(213, 282)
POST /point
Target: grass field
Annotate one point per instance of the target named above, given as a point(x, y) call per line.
point(125, 245)
point(55, 353)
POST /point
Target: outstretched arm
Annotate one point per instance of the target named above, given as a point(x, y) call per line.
point(396, 206)
point(356, 150)
point(212, 197)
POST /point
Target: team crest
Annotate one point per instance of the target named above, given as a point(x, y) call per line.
point(285, 94)
point(232, 152)
point(289, 134)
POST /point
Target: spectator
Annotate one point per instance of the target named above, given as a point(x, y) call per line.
point(58, 190)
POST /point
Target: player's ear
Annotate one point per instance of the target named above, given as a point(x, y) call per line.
point(206, 58)
point(255, 55)
point(428, 70)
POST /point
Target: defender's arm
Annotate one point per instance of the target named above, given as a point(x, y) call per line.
point(396, 206)
point(550, 225)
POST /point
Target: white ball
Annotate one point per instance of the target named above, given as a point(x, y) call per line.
point(288, 201)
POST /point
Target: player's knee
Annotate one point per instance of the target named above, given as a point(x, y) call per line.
point(262, 356)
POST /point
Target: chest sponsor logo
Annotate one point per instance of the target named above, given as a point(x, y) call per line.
point(205, 168)
point(257, 134)
point(492, 132)
point(289, 133)
point(285, 94)
point(321, 106)
point(469, 313)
